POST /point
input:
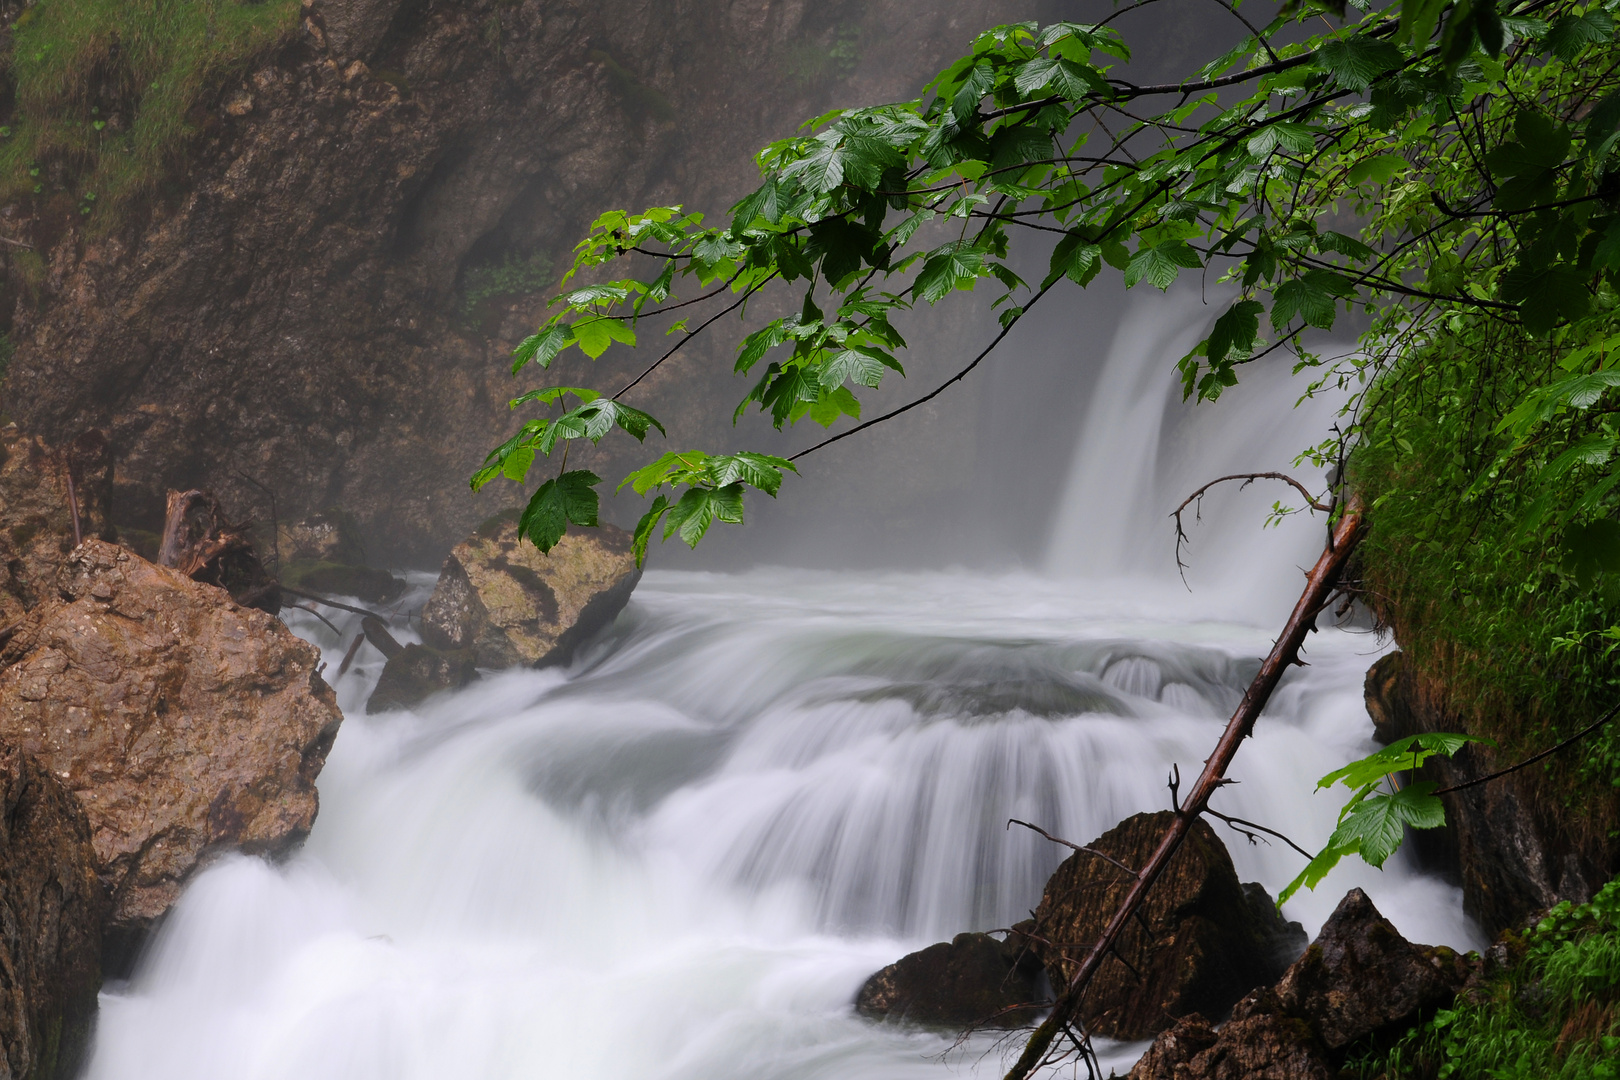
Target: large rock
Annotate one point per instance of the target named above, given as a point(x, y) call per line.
point(1260, 1042)
point(36, 522)
point(417, 672)
point(354, 27)
point(1360, 976)
point(512, 604)
point(1208, 939)
point(51, 912)
point(972, 980)
point(186, 724)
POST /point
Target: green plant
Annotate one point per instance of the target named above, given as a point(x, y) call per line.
point(813, 62)
point(1555, 1013)
point(512, 276)
point(108, 88)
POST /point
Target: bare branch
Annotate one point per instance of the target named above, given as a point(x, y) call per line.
point(1069, 844)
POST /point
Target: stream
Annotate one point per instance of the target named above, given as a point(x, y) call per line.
point(679, 858)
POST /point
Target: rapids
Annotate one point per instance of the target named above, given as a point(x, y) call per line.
point(680, 858)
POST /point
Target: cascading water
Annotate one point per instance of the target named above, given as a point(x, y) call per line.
point(680, 858)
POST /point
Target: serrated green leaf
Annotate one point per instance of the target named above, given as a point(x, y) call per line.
point(1161, 264)
point(1355, 62)
point(644, 528)
point(569, 498)
point(699, 508)
point(542, 347)
point(595, 333)
point(1235, 331)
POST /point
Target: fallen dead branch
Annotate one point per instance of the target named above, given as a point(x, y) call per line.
point(1319, 587)
point(1196, 500)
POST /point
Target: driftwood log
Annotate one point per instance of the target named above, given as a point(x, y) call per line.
point(203, 544)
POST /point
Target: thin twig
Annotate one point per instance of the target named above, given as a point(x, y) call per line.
point(1070, 844)
point(1247, 478)
point(1244, 826)
point(318, 615)
point(348, 657)
point(1579, 735)
point(319, 599)
point(73, 507)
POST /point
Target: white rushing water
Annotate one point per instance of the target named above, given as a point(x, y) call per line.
point(679, 859)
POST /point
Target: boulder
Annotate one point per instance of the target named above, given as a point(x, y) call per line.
point(1259, 1042)
point(1360, 976)
point(36, 524)
point(354, 27)
point(1205, 944)
point(418, 671)
point(186, 724)
point(51, 912)
point(512, 604)
point(973, 980)
point(330, 536)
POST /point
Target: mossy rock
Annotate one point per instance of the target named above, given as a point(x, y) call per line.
point(342, 579)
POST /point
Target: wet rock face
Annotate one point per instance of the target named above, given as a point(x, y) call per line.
point(1210, 943)
point(513, 605)
point(1359, 980)
point(418, 671)
point(1515, 850)
point(185, 724)
point(1360, 976)
point(36, 523)
point(299, 297)
point(51, 912)
point(973, 980)
point(1260, 1042)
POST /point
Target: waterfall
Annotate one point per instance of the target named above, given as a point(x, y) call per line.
point(681, 857)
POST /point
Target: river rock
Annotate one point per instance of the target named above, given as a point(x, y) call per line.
point(1259, 1042)
point(364, 583)
point(513, 604)
point(973, 980)
point(186, 724)
point(1360, 976)
point(36, 524)
point(1210, 943)
point(417, 672)
point(51, 912)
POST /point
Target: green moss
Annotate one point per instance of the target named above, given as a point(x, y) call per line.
point(511, 277)
point(1464, 555)
point(107, 90)
point(1553, 1011)
point(811, 62)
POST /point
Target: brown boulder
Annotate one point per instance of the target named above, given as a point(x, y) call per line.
point(416, 672)
point(51, 912)
point(1206, 943)
point(973, 980)
point(1260, 1042)
point(186, 724)
point(512, 604)
point(36, 524)
point(1360, 976)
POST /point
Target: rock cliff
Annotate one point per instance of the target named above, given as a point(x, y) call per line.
point(322, 297)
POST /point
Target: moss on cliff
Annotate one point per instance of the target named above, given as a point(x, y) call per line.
point(108, 91)
point(1465, 560)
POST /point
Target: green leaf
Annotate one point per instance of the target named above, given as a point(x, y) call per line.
point(1590, 549)
point(542, 347)
point(855, 365)
point(1572, 33)
point(1159, 265)
point(1380, 169)
point(1399, 756)
point(762, 471)
point(569, 498)
point(952, 267)
point(1235, 331)
point(1356, 61)
point(1314, 872)
point(699, 508)
point(1076, 258)
point(644, 528)
point(595, 333)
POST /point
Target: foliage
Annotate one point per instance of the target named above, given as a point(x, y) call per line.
point(1476, 144)
point(109, 87)
point(1374, 821)
point(1554, 1014)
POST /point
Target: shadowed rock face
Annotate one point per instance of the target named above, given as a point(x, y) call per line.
point(51, 912)
point(294, 307)
point(514, 605)
point(185, 724)
point(973, 980)
point(1210, 943)
point(36, 522)
point(1260, 1042)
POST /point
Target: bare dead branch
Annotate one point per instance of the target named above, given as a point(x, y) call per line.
point(348, 657)
point(1069, 844)
point(318, 615)
point(1319, 588)
point(1197, 498)
point(1243, 827)
point(319, 599)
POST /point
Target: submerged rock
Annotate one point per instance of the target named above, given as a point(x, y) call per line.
point(418, 671)
point(36, 522)
point(51, 912)
point(1360, 976)
point(330, 536)
point(1207, 941)
point(186, 724)
point(973, 980)
point(512, 604)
